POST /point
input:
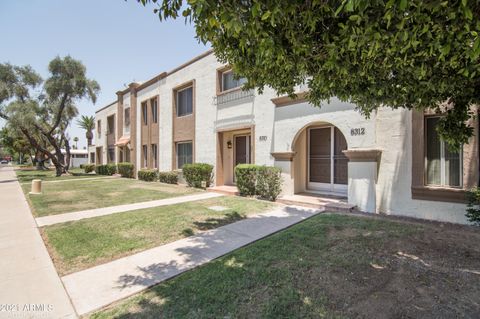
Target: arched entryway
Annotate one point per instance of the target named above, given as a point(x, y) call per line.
point(319, 163)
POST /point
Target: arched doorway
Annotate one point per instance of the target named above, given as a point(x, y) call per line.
point(327, 166)
point(319, 164)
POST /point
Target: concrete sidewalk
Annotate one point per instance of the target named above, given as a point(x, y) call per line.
point(94, 288)
point(68, 217)
point(28, 278)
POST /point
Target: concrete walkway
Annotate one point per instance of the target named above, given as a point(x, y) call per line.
point(68, 217)
point(94, 288)
point(28, 278)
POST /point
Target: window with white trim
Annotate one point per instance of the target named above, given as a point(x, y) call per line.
point(185, 101)
point(229, 81)
point(144, 113)
point(184, 154)
point(145, 155)
point(154, 156)
point(443, 165)
point(154, 106)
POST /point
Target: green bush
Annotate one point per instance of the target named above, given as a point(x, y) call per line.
point(148, 175)
point(269, 182)
point(82, 166)
point(473, 206)
point(197, 173)
point(126, 169)
point(245, 178)
point(88, 168)
point(106, 169)
point(168, 177)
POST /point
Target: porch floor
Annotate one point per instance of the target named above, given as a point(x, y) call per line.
point(224, 189)
point(311, 200)
point(330, 203)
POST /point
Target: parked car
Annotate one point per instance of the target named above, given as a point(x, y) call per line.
point(4, 161)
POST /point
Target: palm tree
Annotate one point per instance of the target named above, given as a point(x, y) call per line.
point(88, 124)
point(75, 139)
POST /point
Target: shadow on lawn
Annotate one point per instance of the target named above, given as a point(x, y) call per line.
point(211, 223)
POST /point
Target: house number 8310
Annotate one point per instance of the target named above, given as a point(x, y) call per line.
point(357, 131)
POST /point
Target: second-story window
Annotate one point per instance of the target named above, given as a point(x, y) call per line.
point(111, 124)
point(144, 113)
point(99, 128)
point(154, 105)
point(126, 117)
point(229, 81)
point(185, 101)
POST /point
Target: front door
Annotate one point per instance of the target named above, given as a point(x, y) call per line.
point(242, 149)
point(327, 165)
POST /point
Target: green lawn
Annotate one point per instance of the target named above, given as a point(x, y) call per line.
point(28, 174)
point(85, 243)
point(330, 266)
point(71, 196)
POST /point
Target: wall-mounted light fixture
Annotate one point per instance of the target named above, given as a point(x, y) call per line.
point(229, 144)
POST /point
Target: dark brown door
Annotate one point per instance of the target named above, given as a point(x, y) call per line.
point(320, 159)
point(242, 149)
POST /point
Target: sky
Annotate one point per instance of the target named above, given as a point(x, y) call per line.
point(118, 41)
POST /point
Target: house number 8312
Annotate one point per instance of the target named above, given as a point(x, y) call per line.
point(357, 131)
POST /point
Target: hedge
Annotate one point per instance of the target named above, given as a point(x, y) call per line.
point(198, 174)
point(106, 169)
point(245, 178)
point(126, 169)
point(88, 168)
point(269, 182)
point(148, 175)
point(264, 181)
point(473, 206)
point(168, 177)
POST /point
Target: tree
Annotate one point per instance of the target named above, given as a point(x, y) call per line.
point(88, 124)
point(398, 53)
point(75, 139)
point(43, 117)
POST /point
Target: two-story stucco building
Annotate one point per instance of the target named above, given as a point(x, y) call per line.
point(391, 163)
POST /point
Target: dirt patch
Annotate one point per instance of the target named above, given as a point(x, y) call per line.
point(431, 273)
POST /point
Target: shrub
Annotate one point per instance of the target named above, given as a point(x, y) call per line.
point(82, 166)
point(197, 173)
point(245, 178)
point(88, 168)
point(168, 177)
point(148, 175)
point(269, 182)
point(126, 170)
point(106, 169)
point(473, 206)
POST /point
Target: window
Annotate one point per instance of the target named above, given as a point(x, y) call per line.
point(145, 158)
point(184, 154)
point(229, 81)
point(185, 101)
point(154, 106)
point(443, 165)
point(144, 113)
point(99, 128)
point(111, 124)
point(154, 155)
point(126, 117)
point(111, 154)
point(92, 157)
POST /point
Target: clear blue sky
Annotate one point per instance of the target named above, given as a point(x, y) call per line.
point(118, 41)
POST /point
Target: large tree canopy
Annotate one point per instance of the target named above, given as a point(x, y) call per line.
point(397, 53)
point(43, 116)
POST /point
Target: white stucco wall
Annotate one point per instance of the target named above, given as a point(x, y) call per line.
point(395, 172)
point(102, 140)
point(276, 129)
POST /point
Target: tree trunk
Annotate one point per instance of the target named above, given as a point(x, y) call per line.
point(89, 136)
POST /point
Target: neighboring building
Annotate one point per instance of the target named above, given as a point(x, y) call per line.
point(77, 157)
point(391, 163)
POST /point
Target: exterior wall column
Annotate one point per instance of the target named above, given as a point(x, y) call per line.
point(119, 124)
point(362, 178)
point(133, 125)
